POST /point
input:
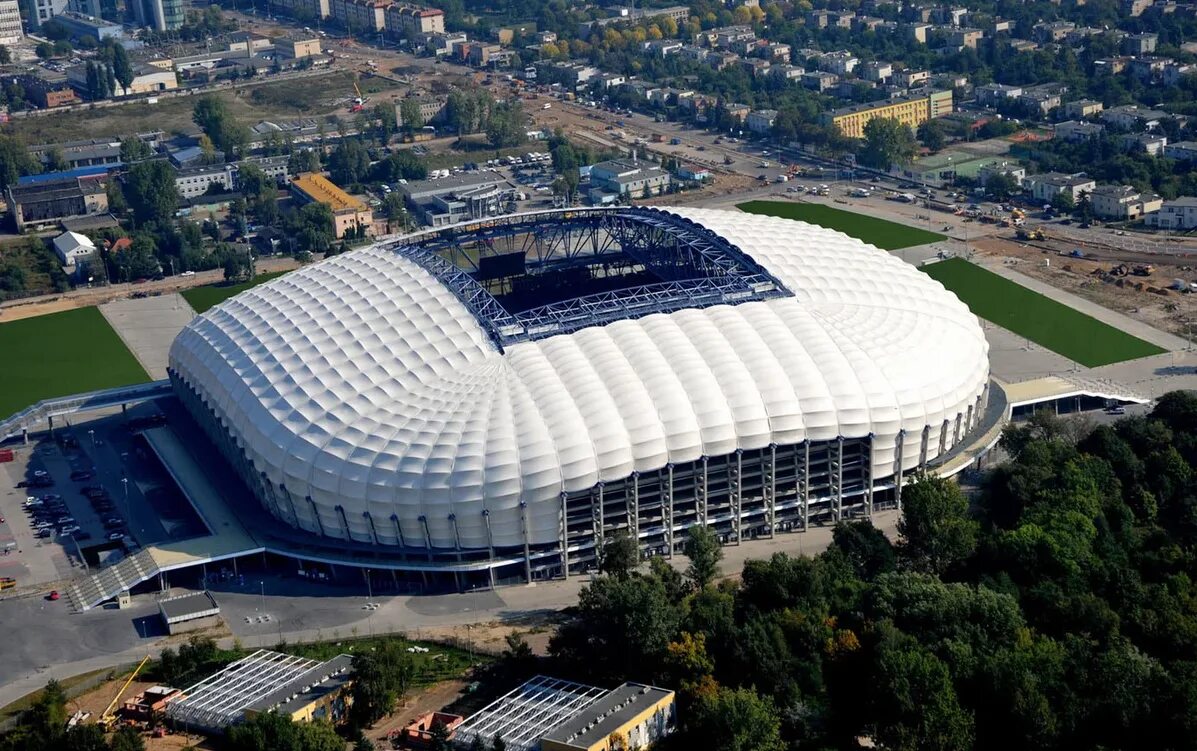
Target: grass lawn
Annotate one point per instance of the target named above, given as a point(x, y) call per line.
point(60, 354)
point(202, 298)
point(880, 232)
point(1044, 321)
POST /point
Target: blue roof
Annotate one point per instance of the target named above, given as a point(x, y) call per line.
point(46, 177)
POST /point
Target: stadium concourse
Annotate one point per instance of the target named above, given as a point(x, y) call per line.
point(488, 403)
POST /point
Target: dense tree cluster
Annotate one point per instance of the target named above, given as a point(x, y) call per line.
point(1054, 612)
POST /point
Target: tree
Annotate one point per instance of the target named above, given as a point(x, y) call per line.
point(5, 55)
point(151, 193)
point(133, 149)
point(304, 160)
point(704, 551)
point(914, 704)
point(736, 719)
point(127, 739)
point(932, 135)
point(887, 141)
point(212, 116)
point(1063, 202)
point(935, 530)
point(507, 125)
point(1001, 186)
point(620, 555)
point(364, 744)
point(866, 548)
point(122, 68)
point(349, 162)
point(14, 161)
point(409, 114)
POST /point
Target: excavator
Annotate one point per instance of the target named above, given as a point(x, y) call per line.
point(108, 718)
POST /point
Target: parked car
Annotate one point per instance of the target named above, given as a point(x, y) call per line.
point(43, 533)
point(69, 529)
point(53, 595)
point(116, 536)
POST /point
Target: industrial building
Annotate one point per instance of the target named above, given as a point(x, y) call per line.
point(348, 212)
point(494, 401)
point(265, 681)
point(913, 110)
point(550, 714)
point(627, 178)
point(44, 204)
point(457, 198)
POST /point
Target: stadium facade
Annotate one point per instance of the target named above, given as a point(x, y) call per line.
point(501, 397)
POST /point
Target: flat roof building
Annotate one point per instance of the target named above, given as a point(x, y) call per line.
point(45, 204)
point(638, 714)
point(626, 177)
point(910, 110)
point(457, 198)
point(189, 612)
point(348, 212)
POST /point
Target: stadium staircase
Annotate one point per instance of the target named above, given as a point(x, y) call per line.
point(109, 582)
point(1104, 387)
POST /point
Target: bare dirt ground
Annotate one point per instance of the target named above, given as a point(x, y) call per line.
point(1145, 298)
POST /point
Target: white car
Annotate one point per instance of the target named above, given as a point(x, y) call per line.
point(116, 536)
point(69, 529)
point(187, 273)
point(32, 500)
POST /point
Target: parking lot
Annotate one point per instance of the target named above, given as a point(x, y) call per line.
point(93, 488)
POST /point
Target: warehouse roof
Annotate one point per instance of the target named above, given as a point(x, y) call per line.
point(610, 713)
point(320, 189)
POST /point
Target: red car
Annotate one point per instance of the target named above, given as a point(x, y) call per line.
point(53, 595)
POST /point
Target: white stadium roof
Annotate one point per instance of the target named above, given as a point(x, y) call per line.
point(364, 382)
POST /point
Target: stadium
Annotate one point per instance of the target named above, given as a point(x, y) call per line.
point(497, 399)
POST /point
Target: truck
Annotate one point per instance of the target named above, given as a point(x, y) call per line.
point(675, 141)
point(658, 138)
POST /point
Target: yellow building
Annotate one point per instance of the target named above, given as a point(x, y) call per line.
point(633, 716)
point(911, 110)
point(348, 212)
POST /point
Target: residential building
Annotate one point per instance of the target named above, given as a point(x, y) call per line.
point(1182, 151)
point(1047, 32)
point(787, 72)
point(1133, 117)
point(1082, 108)
point(996, 94)
point(819, 80)
point(1013, 170)
point(1140, 44)
point(192, 182)
point(297, 47)
point(1074, 130)
point(37, 12)
point(1135, 8)
point(737, 111)
point(1122, 202)
point(1039, 103)
point(841, 63)
point(1175, 72)
point(1151, 144)
point(275, 167)
point(348, 212)
point(11, 29)
point(71, 248)
point(679, 13)
point(912, 78)
point(877, 70)
point(410, 20)
point(911, 110)
point(1147, 69)
point(160, 15)
point(919, 31)
point(432, 109)
point(628, 178)
point(44, 204)
point(1179, 214)
point(359, 15)
point(761, 121)
point(1045, 186)
point(458, 198)
point(89, 27)
point(965, 38)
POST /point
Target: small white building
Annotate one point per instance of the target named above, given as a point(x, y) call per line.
point(1180, 214)
point(72, 247)
point(1045, 186)
point(1122, 202)
point(761, 121)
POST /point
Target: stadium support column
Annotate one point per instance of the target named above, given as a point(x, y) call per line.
point(399, 536)
point(898, 467)
point(968, 419)
point(701, 496)
point(669, 508)
point(527, 544)
point(634, 510)
point(943, 437)
point(867, 470)
point(735, 472)
point(457, 549)
point(490, 547)
point(837, 478)
point(316, 516)
point(344, 522)
point(804, 484)
point(290, 505)
point(563, 530)
point(770, 488)
point(427, 536)
point(599, 521)
point(923, 446)
point(956, 430)
point(373, 530)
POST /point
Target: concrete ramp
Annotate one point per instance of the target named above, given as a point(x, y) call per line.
point(148, 326)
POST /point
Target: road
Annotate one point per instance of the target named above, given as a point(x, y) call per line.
point(299, 610)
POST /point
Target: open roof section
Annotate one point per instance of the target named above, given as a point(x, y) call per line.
point(532, 276)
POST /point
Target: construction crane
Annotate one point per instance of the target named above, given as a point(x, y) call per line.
point(359, 103)
point(109, 715)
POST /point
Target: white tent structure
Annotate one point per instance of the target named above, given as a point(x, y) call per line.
point(388, 398)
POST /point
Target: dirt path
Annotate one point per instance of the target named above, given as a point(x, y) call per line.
point(429, 700)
